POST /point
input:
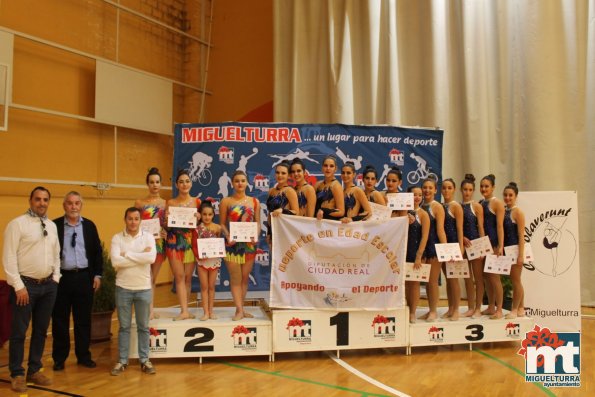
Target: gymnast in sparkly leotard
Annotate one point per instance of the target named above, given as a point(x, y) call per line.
point(153, 207)
point(208, 268)
point(493, 219)
point(178, 246)
point(330, 203)
point(306, 194)
point(514, 226)
point(240, 256)
point(472, 229)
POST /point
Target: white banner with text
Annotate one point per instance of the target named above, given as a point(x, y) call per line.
point(330, 265)
point(552, 281)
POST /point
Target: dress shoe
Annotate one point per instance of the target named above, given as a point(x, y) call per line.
point(88, 363)
point(58, 366)
point(39, 379)
point(18, 384)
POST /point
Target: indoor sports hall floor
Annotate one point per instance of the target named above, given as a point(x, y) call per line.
point(490, 369)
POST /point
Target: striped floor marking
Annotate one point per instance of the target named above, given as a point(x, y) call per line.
point(366, 377)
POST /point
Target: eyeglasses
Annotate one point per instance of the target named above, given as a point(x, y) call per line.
point(73, 241)
point(45, 232)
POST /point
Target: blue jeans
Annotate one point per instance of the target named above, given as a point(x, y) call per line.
point(141, 299)
point(39, 312)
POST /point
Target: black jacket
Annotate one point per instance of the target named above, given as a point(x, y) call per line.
point(92, 245)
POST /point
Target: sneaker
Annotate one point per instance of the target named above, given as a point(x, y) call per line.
point(38, 379)
point(18, 384)
point(118, 369)
point(147, 368)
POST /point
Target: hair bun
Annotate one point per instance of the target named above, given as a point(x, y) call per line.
point(395, 168)
point(370, 168)
point(492, 176)
point(432, 177)
point(512, 184)
point(470, 177)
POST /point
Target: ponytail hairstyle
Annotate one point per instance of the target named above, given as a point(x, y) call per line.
point(396, 171)
point(181, 172)
point(469, 178)
point(490, 178)
point(152, 171)
point(513, 186)
point(370, 168)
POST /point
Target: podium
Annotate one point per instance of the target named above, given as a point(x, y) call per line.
point(212, 338)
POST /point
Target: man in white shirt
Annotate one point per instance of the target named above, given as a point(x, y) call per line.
point(31, 259)
point(132, 252)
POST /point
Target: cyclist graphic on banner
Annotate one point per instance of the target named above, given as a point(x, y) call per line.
point(422, 171)
point(199, 168)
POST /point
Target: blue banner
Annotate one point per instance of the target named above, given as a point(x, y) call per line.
point(213, 152)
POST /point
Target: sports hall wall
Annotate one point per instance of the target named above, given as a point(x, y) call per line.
point(53, 137)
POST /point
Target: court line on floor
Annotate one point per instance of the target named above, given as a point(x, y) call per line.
point(365, 377)
point(63, 393)
point(518, 371)
point(312, 382)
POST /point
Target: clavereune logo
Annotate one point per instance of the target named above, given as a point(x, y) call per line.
point(552, 358)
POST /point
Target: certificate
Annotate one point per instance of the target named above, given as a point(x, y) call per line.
point(513, 250)
point(181, 217)
point(243, 232)
point(210, 247)
point(379, 212)
point(152, 226)
point(399, 201)
point(449, 252)
point(458, 269)
point(479, 248)
point(498, 264)
point(421, 274)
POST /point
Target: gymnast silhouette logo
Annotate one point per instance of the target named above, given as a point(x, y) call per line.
point(298, 154)
point(554, 245)
point(357, 161)
point(199, 168)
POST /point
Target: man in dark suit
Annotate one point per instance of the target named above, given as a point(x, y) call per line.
point(81, 265)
